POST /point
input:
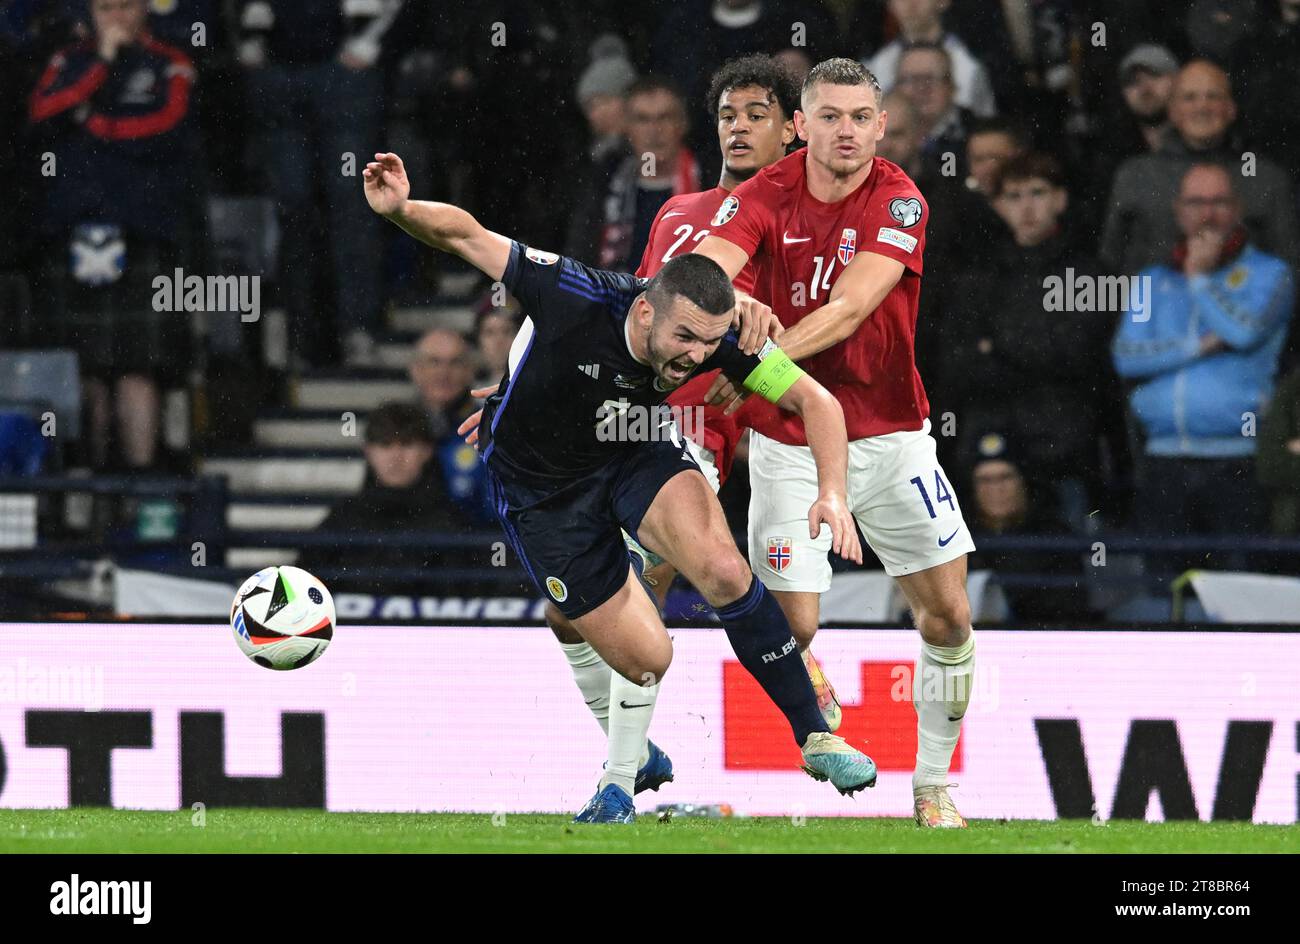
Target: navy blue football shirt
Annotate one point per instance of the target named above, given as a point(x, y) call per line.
point(571, 372)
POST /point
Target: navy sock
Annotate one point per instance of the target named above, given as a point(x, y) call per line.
point(760, 635)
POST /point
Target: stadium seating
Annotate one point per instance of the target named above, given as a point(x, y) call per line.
point(1247, 598)
point(47, 377)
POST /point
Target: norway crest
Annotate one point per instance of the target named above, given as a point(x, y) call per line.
point(778, 553)
point(848, 245)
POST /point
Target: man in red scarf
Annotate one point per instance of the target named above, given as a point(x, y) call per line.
point(611, 231)
point(1203, 352)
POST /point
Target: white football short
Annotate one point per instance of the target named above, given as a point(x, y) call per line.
point(704, 458)
point(903, 502)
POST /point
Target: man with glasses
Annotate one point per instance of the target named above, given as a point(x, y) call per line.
point(1203, 355)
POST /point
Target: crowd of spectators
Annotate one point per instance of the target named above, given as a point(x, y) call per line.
point(1092, 142)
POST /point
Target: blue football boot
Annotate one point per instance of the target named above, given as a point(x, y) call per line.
point(611, 804)
point(657, 771)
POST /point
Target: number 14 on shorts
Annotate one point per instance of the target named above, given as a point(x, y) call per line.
point(942, 494)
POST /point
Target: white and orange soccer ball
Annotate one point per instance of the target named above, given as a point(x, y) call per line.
point(282, 618)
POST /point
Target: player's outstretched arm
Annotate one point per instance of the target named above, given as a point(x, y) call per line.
point(856, 294)
point(754, 321)
point(439, 225)
point(725, 253)
point(859, 290)
point(823, 422)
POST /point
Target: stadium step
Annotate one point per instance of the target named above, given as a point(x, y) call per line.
point(253, 559)
point(351, 390)
point(391, 350)
point(309, 429)
point(393, 355)
point(420, 319)
point(285, 515)
point(310, 473)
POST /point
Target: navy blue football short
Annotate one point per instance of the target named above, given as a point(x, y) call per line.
point(570, 540)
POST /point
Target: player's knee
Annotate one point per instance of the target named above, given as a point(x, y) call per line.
point(651, 663)
point(946, 623)
point(561, 626)
point(726, 578)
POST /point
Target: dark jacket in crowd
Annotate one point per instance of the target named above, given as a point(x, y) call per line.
point(1270, 111)
point(948, 139)
point(611, 222)
point(962, 230)
point(306, 32)
point(377, 509)
point(1042, 375)
point(1277, 465)
point(116, 130)
point(1034, 603)
point(463, 476)
point(423, 507)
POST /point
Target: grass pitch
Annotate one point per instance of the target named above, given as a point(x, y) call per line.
point(88, 830)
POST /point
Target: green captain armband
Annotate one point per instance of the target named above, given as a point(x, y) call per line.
point(774, 375)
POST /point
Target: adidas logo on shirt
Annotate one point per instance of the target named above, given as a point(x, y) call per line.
point(591, 370)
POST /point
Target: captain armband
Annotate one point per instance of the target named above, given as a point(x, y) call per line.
point(774, 375)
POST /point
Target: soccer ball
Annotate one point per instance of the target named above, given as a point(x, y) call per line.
point(282, 618)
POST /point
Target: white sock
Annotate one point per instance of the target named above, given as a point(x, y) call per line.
point(631, 707)
point(941, 691)
point(593, 677)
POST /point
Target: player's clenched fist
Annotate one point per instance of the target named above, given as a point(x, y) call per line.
point(753, 323)
point(831, 509)
point(387, 188)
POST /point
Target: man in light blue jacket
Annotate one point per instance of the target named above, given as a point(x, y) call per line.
point(1203, 351)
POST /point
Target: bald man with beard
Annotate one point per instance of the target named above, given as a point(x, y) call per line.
point(1139, 230)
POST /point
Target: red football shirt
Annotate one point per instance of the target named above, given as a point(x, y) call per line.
point(678, 228)
point(798, 246)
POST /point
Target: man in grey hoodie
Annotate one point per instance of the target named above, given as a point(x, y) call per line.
point(1140, 231)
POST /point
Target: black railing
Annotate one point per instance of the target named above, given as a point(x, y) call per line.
point(62, 553)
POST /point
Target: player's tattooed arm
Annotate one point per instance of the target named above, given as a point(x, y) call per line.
point(859, 290)
point(439, 225)
point(823, 422)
